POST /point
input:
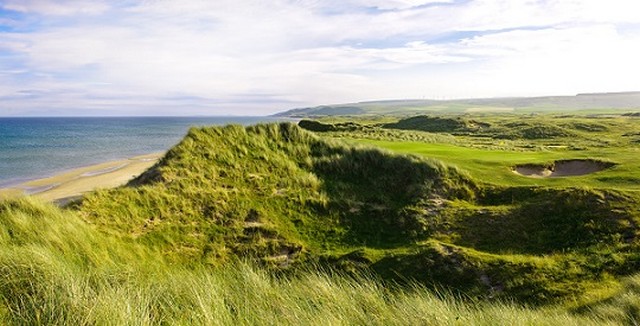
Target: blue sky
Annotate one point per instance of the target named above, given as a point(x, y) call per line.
point(222, 57)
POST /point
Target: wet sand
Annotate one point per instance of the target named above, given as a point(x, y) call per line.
point(72, 184)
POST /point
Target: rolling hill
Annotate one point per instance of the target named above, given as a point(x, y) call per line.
point(286, 197)
point(272, 224)
point(629, 101)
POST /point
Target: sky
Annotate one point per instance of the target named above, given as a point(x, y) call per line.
point(258, 57)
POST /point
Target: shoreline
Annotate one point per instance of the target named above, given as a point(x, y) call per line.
point(71, 184)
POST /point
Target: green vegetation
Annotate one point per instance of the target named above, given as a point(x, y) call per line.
point(436, 124)
point(490, 147)
point(58, 269)
point(272, 224)
point(596, 103)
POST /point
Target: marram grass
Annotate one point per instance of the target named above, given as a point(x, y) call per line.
point(288, 197)
point(272, 225)
point(72, 274)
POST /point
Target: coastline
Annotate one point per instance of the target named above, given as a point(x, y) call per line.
point(72, 184)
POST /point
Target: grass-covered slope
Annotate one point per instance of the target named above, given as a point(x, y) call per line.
point(56, 269)
point(274, 190)
point(522, 129)
point(437, 124)
point(284, 196)
point(164, 249)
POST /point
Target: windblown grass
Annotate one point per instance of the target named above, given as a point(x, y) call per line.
point(271, 224)
point(57, 269)
point(287, 198)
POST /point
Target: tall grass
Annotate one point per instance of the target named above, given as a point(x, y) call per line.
point(241, 295)
point(168, 249)
point(281, 195)
point(51, 273)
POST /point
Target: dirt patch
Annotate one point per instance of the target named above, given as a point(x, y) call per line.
point(562, 168)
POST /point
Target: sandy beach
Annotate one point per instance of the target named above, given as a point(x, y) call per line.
point(72, 184)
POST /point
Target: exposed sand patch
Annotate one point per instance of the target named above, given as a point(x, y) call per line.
point(562, 168)
point(533, 170)
point(72, 184)
point(103, 171)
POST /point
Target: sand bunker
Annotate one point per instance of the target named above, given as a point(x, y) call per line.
point(563, 168)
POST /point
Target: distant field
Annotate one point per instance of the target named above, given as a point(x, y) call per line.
point(600, 103)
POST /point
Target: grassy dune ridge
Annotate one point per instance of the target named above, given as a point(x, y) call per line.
point(284, 196)
point(312, 216)
point(59, 269)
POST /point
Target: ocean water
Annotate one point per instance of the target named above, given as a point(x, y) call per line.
point(32, 148)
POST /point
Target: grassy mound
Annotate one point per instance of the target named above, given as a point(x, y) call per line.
point(58, 269)
point(528, 129)
point(313, 125)
point(274, 191)
point(436, 124)
point(285, 197)
point(166, 248)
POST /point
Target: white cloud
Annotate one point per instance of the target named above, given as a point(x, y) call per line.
point(556, 60)
point(57, 7)
point(383, 4)
point(313, 52)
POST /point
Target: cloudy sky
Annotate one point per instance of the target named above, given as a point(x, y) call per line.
point(253, 57)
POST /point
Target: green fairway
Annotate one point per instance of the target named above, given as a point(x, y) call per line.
point(496, 166)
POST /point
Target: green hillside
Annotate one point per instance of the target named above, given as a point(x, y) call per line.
point(284, 196)
point(586, 103)
point(327, 230)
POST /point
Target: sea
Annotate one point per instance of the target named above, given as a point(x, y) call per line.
point(34, 148)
